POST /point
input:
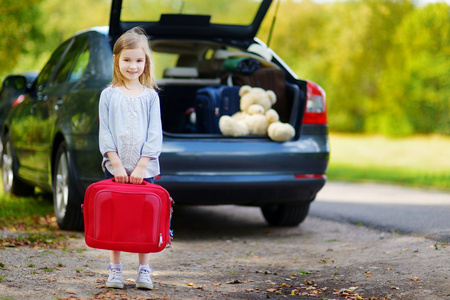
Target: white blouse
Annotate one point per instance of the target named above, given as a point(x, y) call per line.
point(130, 126)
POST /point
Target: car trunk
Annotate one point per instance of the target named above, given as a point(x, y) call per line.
point(179, 115)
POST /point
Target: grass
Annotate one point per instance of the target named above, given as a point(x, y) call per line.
point(419, 161)
point(24, 212)
point(33, 222)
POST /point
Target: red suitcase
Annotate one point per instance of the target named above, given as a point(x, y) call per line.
point(127, 217)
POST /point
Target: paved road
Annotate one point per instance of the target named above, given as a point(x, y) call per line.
point(386, 207)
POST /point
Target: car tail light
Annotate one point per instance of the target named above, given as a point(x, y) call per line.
point(316, 107)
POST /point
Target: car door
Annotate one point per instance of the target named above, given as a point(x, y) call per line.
point(47, 112)
point(25, 130)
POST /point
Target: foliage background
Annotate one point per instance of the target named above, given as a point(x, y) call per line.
point(383, 63)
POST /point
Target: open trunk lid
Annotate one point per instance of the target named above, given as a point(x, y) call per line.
point(237, 19)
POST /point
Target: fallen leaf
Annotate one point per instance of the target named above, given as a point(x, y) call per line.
point(414, 279)
point(271, 290)
point(195, 286)
point(394, 288)
point(99, 286)
point(349, 290)
point(368, 274)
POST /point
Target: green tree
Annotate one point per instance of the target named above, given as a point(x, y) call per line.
point(343, 46)
point(416, 87)
point(358, 38)
point(32, 30)
point(17, 25)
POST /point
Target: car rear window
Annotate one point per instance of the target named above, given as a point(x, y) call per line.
point(232, 12)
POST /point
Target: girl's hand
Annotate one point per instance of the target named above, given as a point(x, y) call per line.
point(120, 175)
point(137, 175)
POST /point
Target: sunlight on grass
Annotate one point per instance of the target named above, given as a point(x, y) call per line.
point(418, 161)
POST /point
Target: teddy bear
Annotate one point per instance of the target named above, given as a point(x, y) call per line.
point(256, 116)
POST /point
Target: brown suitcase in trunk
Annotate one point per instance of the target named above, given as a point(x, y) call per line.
point(268, 79)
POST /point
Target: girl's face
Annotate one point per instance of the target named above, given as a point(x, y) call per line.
point(131, 64)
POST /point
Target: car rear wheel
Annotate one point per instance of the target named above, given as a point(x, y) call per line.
point(12, 184)
point(287, 214)
point(66, 202)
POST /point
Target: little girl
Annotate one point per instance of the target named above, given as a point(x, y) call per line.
point(130, 135)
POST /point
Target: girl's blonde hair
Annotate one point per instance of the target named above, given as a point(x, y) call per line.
point(132, 39)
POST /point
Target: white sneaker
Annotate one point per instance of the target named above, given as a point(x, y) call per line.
point(143, 280)
point(115, 279)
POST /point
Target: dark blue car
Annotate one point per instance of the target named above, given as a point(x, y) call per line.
point(50, 133)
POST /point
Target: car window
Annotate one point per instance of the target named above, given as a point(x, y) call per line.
point(163, 61)
point(44, 77)
point(81, 64)
point(69, 59)
point(220, 11)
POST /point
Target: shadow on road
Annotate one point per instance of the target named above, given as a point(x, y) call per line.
point(204, 222)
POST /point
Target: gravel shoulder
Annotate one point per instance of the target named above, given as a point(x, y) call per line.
point(229, 253)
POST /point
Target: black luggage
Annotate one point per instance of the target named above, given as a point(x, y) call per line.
point(211, 103)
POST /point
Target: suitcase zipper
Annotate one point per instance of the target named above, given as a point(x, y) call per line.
point(160, 240)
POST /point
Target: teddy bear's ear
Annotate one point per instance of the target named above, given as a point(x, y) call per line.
point(244, 90)
point(272, 96)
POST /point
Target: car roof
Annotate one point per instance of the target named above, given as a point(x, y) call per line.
point(197, 19)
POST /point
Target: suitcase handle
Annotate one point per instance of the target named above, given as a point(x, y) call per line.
point(143, 181)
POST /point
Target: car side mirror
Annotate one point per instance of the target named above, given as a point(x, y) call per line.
point(15, 82)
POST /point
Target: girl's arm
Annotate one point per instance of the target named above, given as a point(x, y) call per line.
point(120, 175)
point(105, 139)
point(153, 145)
